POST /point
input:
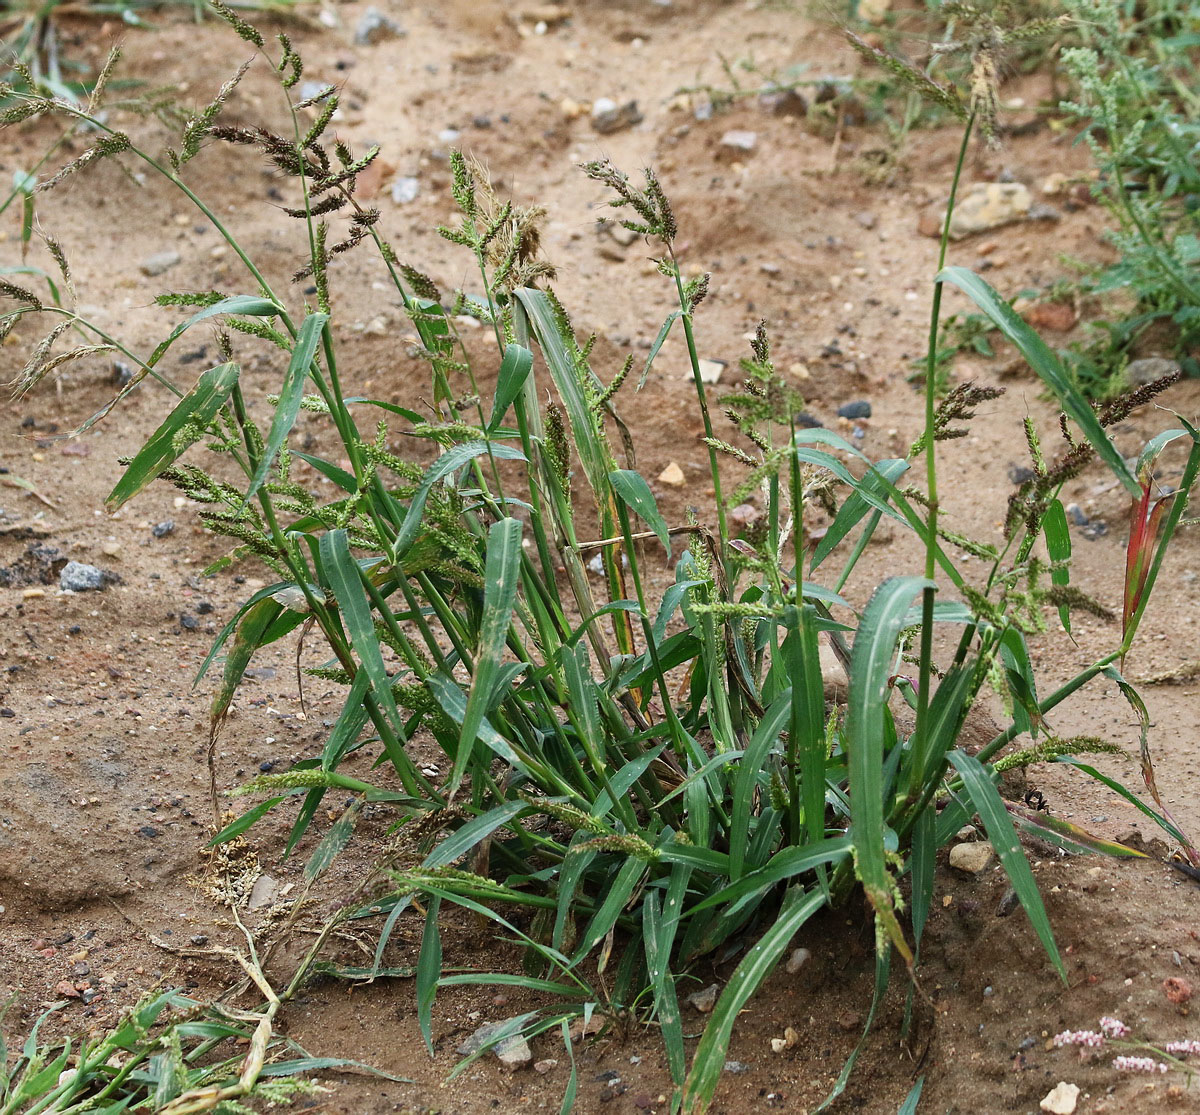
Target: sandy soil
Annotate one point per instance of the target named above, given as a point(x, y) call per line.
point(105, 809)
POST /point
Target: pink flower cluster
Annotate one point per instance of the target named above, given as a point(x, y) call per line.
point(1184, 1047)
point(1138, 1064)
point(1079, 1037)
point(1113, 1027)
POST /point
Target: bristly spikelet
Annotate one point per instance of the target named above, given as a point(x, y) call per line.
point(618, 379)
point(558, 448)
point(243, 29)
point(655, 216)
point(909, 75)
point(101, 82)
point(20, 294)
point(200, 125)
point(420, 284)
point(291, 66)
point(111, 145)
point(60, 257)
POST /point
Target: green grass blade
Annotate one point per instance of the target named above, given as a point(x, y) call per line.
point(450, 461)
point(857, 507)
point(623, 886)
point(333, 843)
point(991, 809)
point(766, 735)
point(184, 426)
point(758, 963)
point(784, 864)
point(250, 636)
point(342, 574)
point(870, 667)
point(247, 820)
point(1058, 546)
point(514, 370)
point(909, 1106)
point(501, 579)
point(429, 971)
point(468, 837)
point(1047, 366)
point(657, 939)
point(290, 395)
point(635, 492)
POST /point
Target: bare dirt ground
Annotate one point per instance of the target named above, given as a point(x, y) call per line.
point(104, 809)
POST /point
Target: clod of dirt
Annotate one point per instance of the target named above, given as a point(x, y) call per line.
point(38, 565)
point(971, 858)
point(1177, 990)
point(1061, 1099)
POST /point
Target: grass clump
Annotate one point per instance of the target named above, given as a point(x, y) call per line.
point(634, 779)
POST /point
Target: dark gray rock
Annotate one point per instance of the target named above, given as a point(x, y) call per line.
point(858, 409)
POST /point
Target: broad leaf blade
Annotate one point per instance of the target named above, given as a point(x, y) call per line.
point(290, 395)
point(501, 579)
point(194, 412)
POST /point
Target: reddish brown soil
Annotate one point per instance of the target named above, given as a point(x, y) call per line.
point(105, 806)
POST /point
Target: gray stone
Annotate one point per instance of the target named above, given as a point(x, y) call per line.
point(375, 27)
point(866, 218)
point(739, 140)
point(797, 960)
point(859, 409)
point(971, 858)
point(405, 190)
point(159, 262)
point(622, 235)
point(161, 530)
point(710, 370)
point(608, 116)
point(1142, 372)
point(78, 577)
point(265, 892)
point(706, 999)
point(736, 1068)
point(512, 1051)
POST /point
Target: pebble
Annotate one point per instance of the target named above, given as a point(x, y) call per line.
point(264, 892)
point(806, 421)
point(512, 1051)
point(858, 409)
point(736, 1068)
point(672, 475)
point(78, 577)
point(543, 1067)
point(982, 206)
point(1062, 1099)
point(705, 1000)
point(405, 190)
point(797, 961)
point(609, 117)
point(971, 858)
point(866, 219)
point(1141, 372)
point(159, 262)
point(710, 371)
point(622, 235)
point(739, 140)
point(161, 530)
point(374, 27)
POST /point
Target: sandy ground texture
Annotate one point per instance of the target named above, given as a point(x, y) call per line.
point(104, 807)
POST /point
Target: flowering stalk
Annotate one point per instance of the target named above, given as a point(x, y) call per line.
point(1113, 1033)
